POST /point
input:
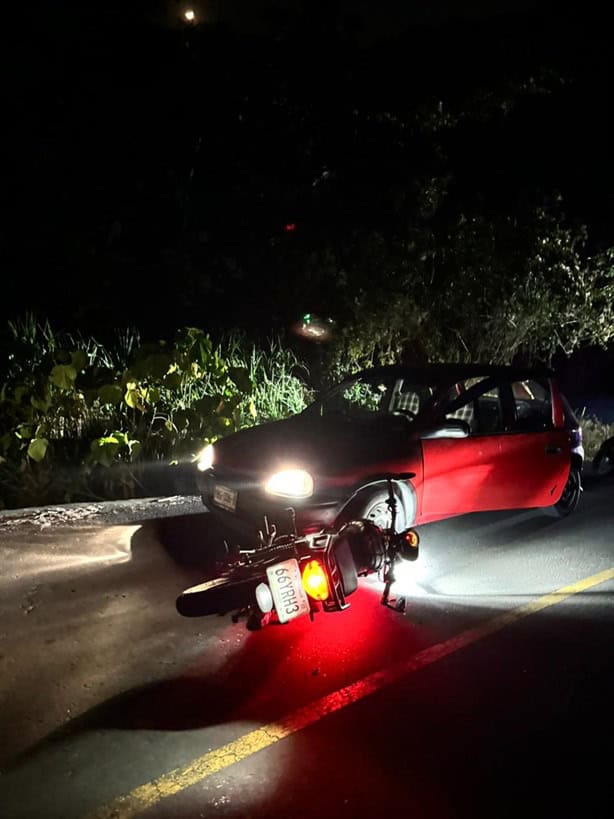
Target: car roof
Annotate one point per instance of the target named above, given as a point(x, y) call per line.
point(449, 373)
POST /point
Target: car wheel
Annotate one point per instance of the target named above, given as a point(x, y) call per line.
point(374, 508)
point(379, 514)
point(603, 462)
point(571, 493)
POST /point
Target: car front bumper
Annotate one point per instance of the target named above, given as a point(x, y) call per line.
point(253, 505)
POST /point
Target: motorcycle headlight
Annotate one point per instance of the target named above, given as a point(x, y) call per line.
point(204, 459)
point(290, 483)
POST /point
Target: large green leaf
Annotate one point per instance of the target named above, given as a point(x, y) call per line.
point(103, 450)
point(119, 437)
point(153, 395)
point(63, 376)
point(110, 394)
point(78, 360)
point(24, 431)
point(38, 448)
point(134, 399)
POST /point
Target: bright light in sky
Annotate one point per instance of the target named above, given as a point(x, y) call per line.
point(189, 15)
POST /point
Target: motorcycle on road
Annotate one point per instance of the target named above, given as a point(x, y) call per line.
point(288, 576)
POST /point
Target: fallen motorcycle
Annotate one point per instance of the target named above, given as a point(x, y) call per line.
point(288, 576)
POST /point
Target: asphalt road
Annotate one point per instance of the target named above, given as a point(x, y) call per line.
point(491, 696)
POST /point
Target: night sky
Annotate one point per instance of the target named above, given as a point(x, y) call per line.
point(109, 104)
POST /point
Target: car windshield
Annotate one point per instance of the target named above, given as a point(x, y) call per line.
point(366, 396)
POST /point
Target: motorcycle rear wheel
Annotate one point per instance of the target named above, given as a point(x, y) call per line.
point(218, 596)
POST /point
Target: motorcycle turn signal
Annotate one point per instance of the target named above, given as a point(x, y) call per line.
point(406, 545)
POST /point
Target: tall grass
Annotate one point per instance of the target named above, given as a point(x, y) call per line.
point(594, 432)
point(30, 341)
point(276, 372)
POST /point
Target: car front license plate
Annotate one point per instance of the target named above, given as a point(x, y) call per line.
point(225, 497)
point(287, 590)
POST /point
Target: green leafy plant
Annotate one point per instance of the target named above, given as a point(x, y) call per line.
point(85, 422)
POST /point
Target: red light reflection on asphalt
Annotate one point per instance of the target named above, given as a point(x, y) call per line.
point(256, 676)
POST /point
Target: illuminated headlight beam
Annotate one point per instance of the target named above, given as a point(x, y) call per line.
point(290, 483)
point(204, 459)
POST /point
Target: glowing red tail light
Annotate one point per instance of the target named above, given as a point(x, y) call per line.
point(315, 581)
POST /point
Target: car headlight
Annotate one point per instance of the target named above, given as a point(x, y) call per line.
point(204, 459)
point(290, 483)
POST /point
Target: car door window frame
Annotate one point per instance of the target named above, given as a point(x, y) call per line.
point(517, 428)
point(472, 394)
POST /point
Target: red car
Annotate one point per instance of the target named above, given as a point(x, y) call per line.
point(474, 438)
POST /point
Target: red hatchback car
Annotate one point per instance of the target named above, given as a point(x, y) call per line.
point(474, 438)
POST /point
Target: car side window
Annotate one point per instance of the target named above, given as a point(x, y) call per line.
point(478, 402)
point(532, 405)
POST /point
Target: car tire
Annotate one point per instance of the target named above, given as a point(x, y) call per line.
point(371, 504)
point(572, 493)
point(603, 462)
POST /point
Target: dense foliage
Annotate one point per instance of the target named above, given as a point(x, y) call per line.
point(510, 290)
point(78, 420)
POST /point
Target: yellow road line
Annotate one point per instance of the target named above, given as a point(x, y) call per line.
point(147, 795)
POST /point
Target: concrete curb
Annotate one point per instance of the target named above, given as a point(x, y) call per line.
point(104, 512)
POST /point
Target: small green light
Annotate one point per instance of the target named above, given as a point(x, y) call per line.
point(307, 317)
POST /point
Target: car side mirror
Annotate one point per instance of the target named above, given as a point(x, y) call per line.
point(450, 428)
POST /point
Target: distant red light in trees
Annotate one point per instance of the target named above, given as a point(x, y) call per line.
point(290, 227)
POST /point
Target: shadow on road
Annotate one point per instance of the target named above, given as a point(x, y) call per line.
point(190, 540)
point(441, 745)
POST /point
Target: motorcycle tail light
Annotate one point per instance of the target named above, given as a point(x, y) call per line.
point(315, 580)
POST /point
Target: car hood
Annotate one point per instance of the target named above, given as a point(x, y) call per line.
point(323, 446)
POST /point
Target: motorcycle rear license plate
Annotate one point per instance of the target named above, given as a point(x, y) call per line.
point(287, 590)
point(225, 497)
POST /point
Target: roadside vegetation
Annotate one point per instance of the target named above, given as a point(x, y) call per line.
point(594, 433)
point(81, 420)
